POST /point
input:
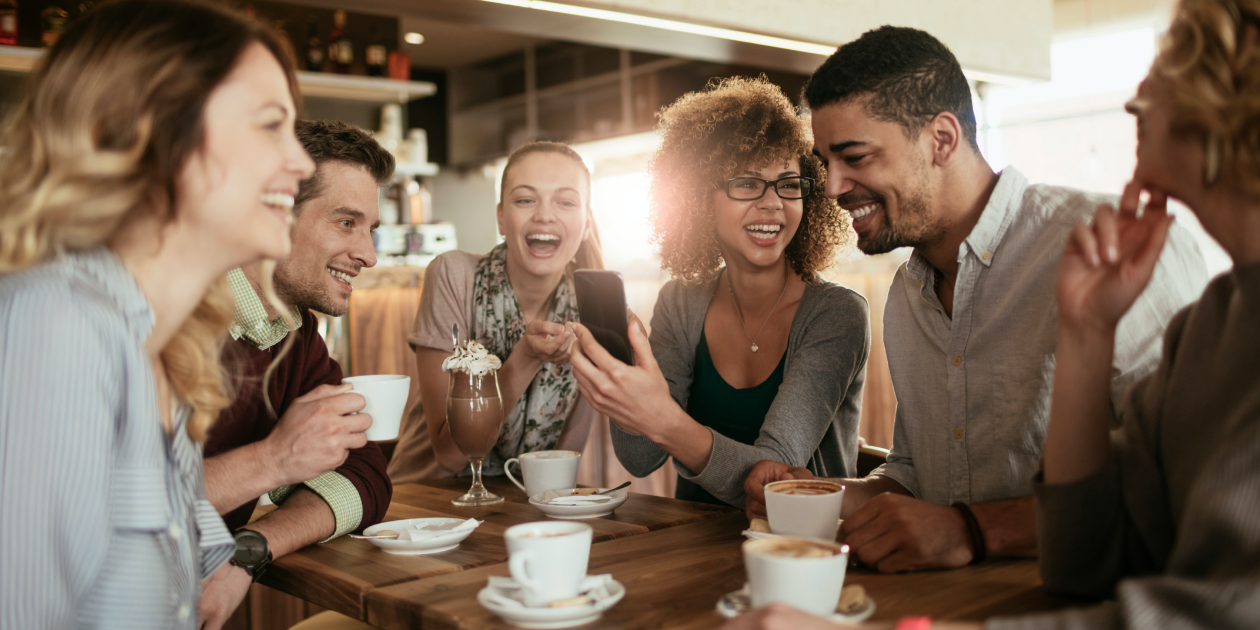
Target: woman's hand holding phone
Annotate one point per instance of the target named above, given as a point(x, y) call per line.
point(636, 396)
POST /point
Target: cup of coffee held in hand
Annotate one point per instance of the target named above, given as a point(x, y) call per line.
point(804, 573)
point(548, 559)
point(545, 470)
point(804, 507)
point(386, 396)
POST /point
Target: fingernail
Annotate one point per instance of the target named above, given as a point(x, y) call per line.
point(1112, 254)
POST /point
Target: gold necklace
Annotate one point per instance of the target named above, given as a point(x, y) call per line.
point(744, 325)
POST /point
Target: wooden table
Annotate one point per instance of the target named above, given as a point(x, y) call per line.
point(675, 558)
point(339, 574)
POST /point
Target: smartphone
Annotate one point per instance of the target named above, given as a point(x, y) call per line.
point(601, 298)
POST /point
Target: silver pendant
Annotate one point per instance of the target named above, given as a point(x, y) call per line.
point(754, 347)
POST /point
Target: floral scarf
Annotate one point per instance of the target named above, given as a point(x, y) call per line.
point(538, 418)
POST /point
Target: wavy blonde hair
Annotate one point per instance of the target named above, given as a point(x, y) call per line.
point(1214, 82)
point(106, 123)
point(709, 136)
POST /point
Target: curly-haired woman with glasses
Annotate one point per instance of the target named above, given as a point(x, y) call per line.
point(752, 355)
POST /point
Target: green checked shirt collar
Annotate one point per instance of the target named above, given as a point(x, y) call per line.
point(250, 319)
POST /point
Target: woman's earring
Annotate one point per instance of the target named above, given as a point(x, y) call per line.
point(1211, 159)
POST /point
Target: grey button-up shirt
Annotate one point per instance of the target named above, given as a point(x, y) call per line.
point(103, 515)
point(973, 391)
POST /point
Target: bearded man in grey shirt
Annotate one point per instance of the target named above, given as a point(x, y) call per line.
point(970, 322)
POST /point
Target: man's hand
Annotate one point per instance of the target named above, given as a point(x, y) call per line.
point(894, 533)
point(316, 434)
point(765, 472)
point(221, 593)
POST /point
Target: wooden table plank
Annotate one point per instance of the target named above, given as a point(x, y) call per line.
point(338, 574)
point(674, 578)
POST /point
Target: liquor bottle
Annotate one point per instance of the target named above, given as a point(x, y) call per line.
point(314, 48)
point(340, 46)
point(376, 56)
point(8, 23)
point(53, 19)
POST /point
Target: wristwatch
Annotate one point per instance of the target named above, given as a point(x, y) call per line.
point(252, 553)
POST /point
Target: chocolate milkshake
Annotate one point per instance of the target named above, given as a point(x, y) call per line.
point(474, 410)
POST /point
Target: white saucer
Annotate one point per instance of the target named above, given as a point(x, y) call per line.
point(497, 597)
point(437, 544)
point(751, 535)
point(738, 602)
point(578, 511)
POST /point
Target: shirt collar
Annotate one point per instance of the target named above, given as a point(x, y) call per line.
point(112, 278)
point(249, 320)
point(998, 214)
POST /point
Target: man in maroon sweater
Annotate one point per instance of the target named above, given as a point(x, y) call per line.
point(314, 460)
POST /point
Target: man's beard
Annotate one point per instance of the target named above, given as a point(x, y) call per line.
point(915, 226)
point(306, 294)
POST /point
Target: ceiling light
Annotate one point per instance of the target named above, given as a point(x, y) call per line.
point(413, 38)
point(672, 25)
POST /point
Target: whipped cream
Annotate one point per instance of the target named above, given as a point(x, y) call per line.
point(472, 358)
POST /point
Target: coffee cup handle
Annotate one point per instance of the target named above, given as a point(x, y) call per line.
point(508, 470)
point(516, 566)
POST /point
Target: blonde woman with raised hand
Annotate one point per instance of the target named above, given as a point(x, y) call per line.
point(153, 151)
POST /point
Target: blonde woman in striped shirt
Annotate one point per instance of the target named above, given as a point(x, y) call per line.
point(152, 152)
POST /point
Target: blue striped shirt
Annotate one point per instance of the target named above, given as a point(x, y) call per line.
point(103, 516)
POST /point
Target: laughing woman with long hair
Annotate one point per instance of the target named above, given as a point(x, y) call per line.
point(153, 151)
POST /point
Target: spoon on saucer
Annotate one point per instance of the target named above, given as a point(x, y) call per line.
point(624, 485)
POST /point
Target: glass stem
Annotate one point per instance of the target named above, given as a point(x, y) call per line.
point(476, 471)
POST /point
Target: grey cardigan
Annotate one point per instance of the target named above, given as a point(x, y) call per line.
point(813, 421)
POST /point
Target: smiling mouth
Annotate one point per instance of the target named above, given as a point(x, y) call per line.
point(860, 213)
point(543, 244)
point(340, 275)
point(763, 231)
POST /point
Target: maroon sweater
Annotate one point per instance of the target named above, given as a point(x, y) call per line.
point(306, 367)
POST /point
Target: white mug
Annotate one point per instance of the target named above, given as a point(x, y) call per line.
point(809, 515)
point(548, 559)
point(386, 396)
point(811, 584)
point(545, 470)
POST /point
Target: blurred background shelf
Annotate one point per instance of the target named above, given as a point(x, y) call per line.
point(317, 84)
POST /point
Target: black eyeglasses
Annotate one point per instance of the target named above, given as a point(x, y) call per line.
point(750, 188)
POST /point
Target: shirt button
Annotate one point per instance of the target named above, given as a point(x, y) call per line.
point(986, 255)
point(176, 531)
point(957, 360)
point(184, 611)
point(958, 433)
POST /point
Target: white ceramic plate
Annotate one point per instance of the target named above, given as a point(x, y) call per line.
point(552, 617)
point(445, 542)
point(579, 511)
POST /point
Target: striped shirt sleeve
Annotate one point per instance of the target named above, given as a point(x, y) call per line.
point(58, 394)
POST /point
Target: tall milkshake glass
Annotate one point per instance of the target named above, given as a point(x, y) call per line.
point(474, 415)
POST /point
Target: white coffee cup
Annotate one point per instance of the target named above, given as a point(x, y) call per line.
point(809, 515)
point(386, 396)
point(548, 559)
point(810, 584)
point(545, 470)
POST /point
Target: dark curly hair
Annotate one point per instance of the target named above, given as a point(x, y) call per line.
point(909, 75)
point(708, 137)
point(327, 140)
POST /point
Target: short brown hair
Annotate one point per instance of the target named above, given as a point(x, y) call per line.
point(709, 136)
point(329, 140)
